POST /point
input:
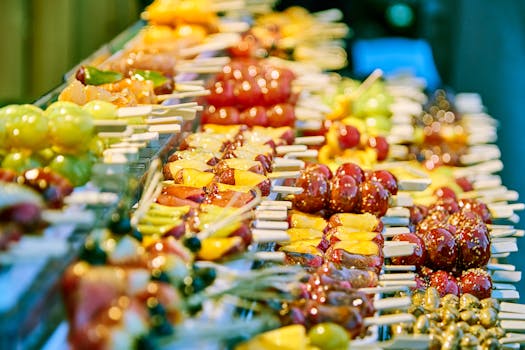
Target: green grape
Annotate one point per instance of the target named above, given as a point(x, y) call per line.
point(378, 124)
point(3, 132)
point(45, 155)
point(76, 169)
point(101, 109)
point(329, 336)
point(61, 107)
point(71, 129)
point(20, 161)
point(26, 127)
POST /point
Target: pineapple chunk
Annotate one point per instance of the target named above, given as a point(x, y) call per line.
point(358, 247)
point(361, 222)
point(345, 234)
point(298, 234)
point(242, 164)
point(307, 246)
point(302, 220)
point(196, 178)
point(228, 130)
point(216, 248)
point(247, 178)
point(180, 164)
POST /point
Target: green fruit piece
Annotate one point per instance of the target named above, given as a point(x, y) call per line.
point(26, 127)
point(61, 107)
point(328, 336)
point(95, 76)
point(378, 124)
point(3, 132)
point(71, 129)
point(97, 147)
point(20, 161)
point(101, 109)
point(76, 169)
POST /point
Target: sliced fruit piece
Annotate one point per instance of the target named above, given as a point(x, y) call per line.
point(195, 178)
point(298, 234)
point(361, 222)
point(358, 247)
point(303, 220)
point(216, 248)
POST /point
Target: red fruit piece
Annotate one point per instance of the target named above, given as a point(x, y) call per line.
point(374, 198)
point(387, 179)
point(476, 282)
point(343, 194)
point(445, 203)
point(221, 93)
point(441, 247)
point(348, 136)
point(380, 144)
point(275, 91)
point(315, 192)
point(323, 169)
point(477, 207)
point(254, 116)
point(221, 115)
point(353, 170)
point(417, 213)
point(247, 93)
point(281, 114)
point(247, 47)
point(445, 192)
point(421, 284)
point(465, 184)
point(27, 215)
point(473, 243)
point(444, 282)
point(417, 258)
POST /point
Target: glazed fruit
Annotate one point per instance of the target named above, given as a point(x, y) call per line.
point(445, 283)
point(220, 115)
point(385, 178)
point(473, 243)
point(445, 192)
point(325, 170)
point(441, 248)
point(477, 207)
point(71, 129)
point(353, 170)
point(254, 116)
point(281, 114)
point(374, 198)
point(26, 127)
point(418, 258)
point(476, 282)
point(315, 192)
point(348, 136)
point(344, 194)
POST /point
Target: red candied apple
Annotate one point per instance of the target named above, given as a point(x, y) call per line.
point(445, 203)
point(353, 170)
point(473, 243)
point(275, 91)
point(441, 247)
point(445, 283)
point(417, 258)
point(476, 282)
point(417, 214)
point(315, 192)
point(374, 198)
point(348, 136)
point(465, 184)
point(464, 218)
point(247, 93)
point(322, 168)
point(344, 194)
point(445, 192)
point(281, 114)
point(221, 93)
point(221, 115)
point(380, 144)
point(435, 218)
point(477, 207)
point(254, 116)
point(385, 178)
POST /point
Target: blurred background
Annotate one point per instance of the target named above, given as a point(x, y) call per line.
point(477, 46)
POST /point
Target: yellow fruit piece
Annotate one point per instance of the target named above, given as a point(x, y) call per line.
point(358, 247)
point(196, 178)
point(302, 220)
point(307, 246)
point(361, 222)
point(241, 164)
point(226, 130)
point(216, 248)
point(298, 234)
point(226, 187)
point(247, 178)
point(187, 164)
point(285, 338)
point(349, 234)
point(167, 211)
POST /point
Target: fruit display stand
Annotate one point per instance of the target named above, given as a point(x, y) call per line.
point(273, 234)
